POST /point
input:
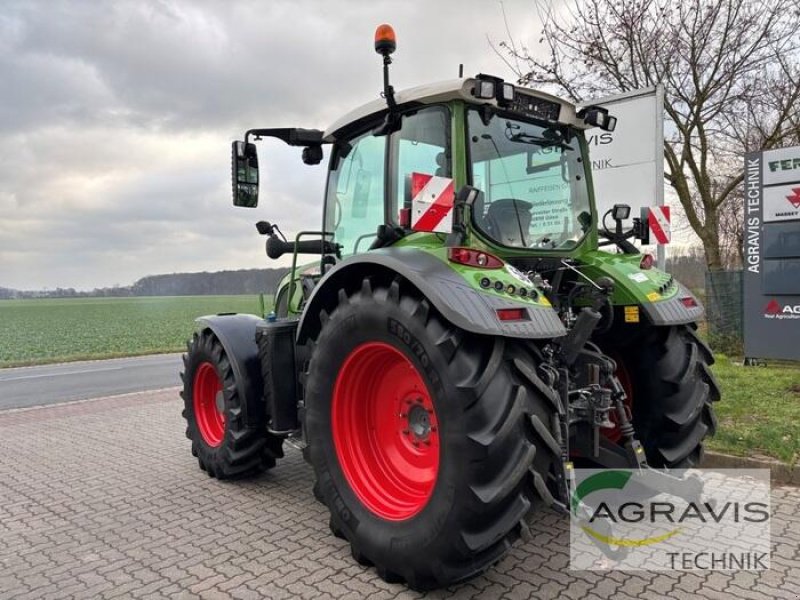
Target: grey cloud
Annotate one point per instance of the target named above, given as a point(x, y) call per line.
point(116, 119)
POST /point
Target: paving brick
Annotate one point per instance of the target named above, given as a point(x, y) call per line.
point(97, 506)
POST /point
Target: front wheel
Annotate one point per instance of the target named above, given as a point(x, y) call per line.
point(430, 445)
point(224, 444)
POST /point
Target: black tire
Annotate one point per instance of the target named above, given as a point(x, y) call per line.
point(673, 393)
point(244, 450)
point(498, 450)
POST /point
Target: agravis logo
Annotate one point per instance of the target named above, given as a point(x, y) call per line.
point(614, 480)
point(774, 310)
point(644, 519)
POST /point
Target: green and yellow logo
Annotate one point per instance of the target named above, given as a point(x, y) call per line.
point(610, 480)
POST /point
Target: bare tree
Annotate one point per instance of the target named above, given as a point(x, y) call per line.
point(731, 75)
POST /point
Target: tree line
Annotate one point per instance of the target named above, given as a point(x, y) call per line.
point(243, 281)
point(688, 267)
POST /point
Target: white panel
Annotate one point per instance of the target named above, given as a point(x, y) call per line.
point(782, 166)
point(627, 164)
point(782, 203)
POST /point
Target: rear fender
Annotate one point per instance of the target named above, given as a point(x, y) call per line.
point(237, 334)
point(450, 294)
point(663, 299)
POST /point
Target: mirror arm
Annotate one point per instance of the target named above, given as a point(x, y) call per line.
point(293, 136)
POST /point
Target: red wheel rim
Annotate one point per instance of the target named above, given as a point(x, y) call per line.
point(385, 431)
point(615, 435)
point(209, 404)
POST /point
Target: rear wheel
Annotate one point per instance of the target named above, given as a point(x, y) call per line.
point(667, 374)
point(430, 445)
point(224, 444)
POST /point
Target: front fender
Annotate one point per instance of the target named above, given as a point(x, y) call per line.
point(237, 334)
point(445, 288)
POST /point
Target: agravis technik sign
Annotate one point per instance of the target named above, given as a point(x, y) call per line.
point(772, 254)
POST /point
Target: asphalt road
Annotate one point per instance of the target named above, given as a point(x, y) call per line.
point(51, 384)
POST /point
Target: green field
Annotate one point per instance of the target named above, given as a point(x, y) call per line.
point(48, 330)
point(759, 413)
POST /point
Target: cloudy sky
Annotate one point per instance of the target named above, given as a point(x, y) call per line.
point(116, 120)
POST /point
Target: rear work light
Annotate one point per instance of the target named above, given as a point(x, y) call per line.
point(484, 90)
point(474, 258)
point(513, 314)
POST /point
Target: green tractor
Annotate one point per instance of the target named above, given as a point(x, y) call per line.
point(461, 339)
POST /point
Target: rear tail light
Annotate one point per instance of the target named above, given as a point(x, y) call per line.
point(689, 302)
point(474, 258)
point(647, 262)
point(513, 314)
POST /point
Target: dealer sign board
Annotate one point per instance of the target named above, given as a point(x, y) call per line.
point(628, 163)
point(772, 254)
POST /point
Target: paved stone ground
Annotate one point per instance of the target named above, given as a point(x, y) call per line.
point(102, 499)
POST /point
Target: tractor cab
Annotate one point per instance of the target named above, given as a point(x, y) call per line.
point(524, 159)
point(477, 163)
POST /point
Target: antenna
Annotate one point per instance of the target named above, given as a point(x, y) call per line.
point(461, 71)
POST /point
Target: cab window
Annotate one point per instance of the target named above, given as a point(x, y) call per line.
point(355, 205)
point(357, 184)
point(419, 146)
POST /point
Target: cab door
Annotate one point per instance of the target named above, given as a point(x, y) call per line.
point(355, 205)
point(368, 180)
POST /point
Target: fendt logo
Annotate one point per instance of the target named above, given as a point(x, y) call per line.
point(787, 164)
point(794, 199)
point(774, 310)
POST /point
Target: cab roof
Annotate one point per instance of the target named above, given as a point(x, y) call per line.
point(444, 91)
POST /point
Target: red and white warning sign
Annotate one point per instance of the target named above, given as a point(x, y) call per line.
point(432, 200)
point(659, 224)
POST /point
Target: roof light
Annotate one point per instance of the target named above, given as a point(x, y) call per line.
point(385, 40)
point(597, 116)
point(507, 92)
point(513, 314)
point(647, 262)
point(484, 89)
point(474, 258)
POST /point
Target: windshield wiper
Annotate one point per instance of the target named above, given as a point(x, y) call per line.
point(527, 138)
point(550, 137)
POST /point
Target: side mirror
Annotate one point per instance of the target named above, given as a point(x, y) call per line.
point(244, 174)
